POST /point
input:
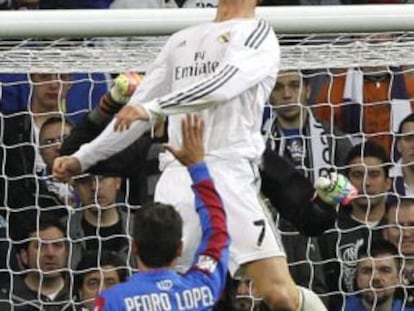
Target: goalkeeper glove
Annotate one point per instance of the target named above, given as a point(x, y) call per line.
point(124, 86)
point(336, 189)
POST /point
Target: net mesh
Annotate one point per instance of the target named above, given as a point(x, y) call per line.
point(324, 56)
point(136, 53)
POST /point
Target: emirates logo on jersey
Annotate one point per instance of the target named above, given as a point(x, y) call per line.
point(165, 285)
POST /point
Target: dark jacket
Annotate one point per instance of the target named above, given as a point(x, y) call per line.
point(20, 186)
point(339, 249)
point(78, 236)
point(302, 253)
point(23, 298)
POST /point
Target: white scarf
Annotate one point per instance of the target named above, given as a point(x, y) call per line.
point(317, 149)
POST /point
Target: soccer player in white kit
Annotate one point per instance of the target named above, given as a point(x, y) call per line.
point(225, 71)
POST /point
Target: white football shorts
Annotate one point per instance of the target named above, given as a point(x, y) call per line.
point(252, 231)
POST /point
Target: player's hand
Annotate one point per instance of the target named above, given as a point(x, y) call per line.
point(64, 168)
point(192, 148)
point(336, 189)
point(124, 85)
point(127, 115)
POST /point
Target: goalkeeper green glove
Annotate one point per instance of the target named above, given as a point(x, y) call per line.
point(124, 86)
point(336, 189)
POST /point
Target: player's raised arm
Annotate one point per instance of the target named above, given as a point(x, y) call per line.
point(212, 254)
point(110, 141)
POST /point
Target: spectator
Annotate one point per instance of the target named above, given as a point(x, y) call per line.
point(45, 286)
point(52, 133)
point(403, 171)
point(48, 99)
point(400, 219)
point(100, 222)
point(377, 279)
point(312, 146)
point(303, 255)
point(358, 223)
point(97, 271)
point(399, 230)
point(368, 102)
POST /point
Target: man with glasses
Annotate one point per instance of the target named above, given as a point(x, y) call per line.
point(52, 133)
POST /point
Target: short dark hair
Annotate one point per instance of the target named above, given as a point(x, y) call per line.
point(92, 260)
point(46, 221)
point(379, 247)
point(368, 149)
point(407, 119)
point(157, 234)
point(305, 75)
point(56, 119)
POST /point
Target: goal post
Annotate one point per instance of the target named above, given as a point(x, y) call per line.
point(124, 22)
point(311, 35)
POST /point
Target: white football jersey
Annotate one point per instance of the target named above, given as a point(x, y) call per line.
point(226, 71)
point(223, 70)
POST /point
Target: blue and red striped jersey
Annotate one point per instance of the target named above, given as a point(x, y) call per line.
point(201, 286)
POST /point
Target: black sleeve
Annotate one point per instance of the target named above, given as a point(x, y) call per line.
point(291, 194)
point(17, 158)
point(126, 163)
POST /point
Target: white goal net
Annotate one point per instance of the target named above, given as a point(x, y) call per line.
point(349, 74)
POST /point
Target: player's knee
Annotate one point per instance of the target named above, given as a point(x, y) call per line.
point(310, 301)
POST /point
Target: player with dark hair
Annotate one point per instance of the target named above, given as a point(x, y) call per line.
point(158, 242)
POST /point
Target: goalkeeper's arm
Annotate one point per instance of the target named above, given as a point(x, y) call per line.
point(294, 196)
point(126, 162)
point(124, 85)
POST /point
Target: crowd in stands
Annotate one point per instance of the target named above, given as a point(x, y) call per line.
point(61, 244)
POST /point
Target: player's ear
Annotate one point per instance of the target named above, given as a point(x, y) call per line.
point(180, 248)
